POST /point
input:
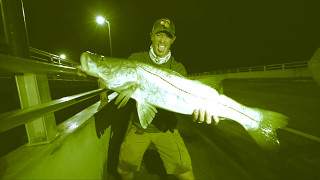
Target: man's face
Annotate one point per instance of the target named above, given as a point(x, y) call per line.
point(161, 43)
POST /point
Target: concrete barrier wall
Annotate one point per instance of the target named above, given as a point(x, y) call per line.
point(77, 153)
point(286, 73)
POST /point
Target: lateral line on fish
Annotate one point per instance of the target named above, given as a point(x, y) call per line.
point(170, 83)
point(194, 94)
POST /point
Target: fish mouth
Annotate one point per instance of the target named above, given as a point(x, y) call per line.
point(84, 58)
point(88, 63)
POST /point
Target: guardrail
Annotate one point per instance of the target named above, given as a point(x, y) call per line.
point(292, 65)
point(12, 64)
point(15, 118)
point(49, 142)
point(17, 66)
point(44, 56)
point(53, 66)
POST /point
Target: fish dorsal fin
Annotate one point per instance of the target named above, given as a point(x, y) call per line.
point(146, 113)
point(213, 81)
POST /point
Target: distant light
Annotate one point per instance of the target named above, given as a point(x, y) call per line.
point(62, 56)
point(100, 20)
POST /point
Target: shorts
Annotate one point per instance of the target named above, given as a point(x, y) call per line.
point(170, 146)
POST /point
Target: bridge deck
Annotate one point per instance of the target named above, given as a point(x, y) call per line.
point(227, 152)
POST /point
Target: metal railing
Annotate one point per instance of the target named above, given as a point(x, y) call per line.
point(14, 64)
point(292, 65)
point(49, 57)
point(44, 56)
point(19, 117)
point(17, 65)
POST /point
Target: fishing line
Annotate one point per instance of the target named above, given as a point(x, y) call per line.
point(309, 136)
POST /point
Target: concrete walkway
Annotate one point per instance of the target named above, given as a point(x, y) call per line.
point(227, 152)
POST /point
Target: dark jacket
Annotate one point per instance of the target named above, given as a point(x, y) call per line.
point(163, 120)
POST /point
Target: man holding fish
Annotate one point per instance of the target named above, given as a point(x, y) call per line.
point(162, 131)
point(152, 79)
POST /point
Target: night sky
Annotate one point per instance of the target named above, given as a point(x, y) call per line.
point(211, 34)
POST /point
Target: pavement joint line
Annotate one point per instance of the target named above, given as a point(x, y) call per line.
point(306, 135)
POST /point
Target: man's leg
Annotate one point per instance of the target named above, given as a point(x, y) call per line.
point(131, 152)
point(174, 154)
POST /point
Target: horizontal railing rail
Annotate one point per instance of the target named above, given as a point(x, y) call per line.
point(41, 55)
point(12, 119)
point(14, 64)
point(11, 65)
point(292, 65)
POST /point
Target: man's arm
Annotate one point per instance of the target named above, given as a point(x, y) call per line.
point(137, 56)
point(180, 69)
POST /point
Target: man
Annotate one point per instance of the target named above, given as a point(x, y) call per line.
point(314, 66)
point(162, 131)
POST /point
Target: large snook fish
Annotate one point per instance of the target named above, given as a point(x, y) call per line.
point(153, 88)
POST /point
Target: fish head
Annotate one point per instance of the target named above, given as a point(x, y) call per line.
point(116, 74)
point(89, 63)
point(121, 76)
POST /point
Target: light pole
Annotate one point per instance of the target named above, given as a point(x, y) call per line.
point(102, 20)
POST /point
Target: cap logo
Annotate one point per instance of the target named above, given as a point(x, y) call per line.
point(165, 23)
point(162, 25)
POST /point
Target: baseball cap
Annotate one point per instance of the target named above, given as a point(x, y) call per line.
point(164, 25)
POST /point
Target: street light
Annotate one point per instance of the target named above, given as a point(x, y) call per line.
point(102, 20)
point(63, 56)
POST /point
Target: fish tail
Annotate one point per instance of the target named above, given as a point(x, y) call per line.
point(260, 124)
point(265, 135)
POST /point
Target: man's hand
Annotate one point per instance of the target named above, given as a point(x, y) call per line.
point(200, 116)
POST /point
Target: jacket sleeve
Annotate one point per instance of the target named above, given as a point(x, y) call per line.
point(137, 56)
point(178, 67)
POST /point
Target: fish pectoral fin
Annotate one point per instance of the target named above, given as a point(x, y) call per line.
point(146, 113)
point(124, 96)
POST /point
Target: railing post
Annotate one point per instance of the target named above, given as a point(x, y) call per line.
point(33, 89)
